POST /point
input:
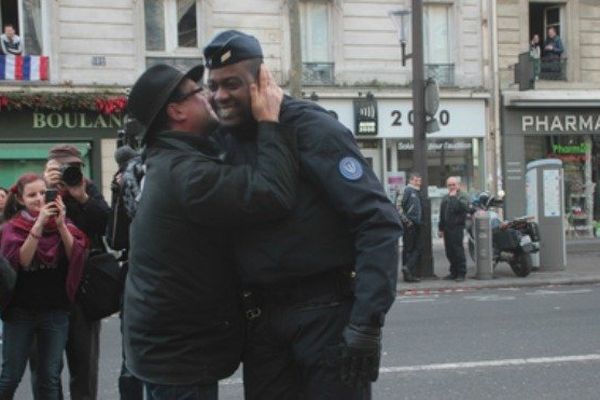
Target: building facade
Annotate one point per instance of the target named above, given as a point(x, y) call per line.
point(559, 117)
point(351, 65)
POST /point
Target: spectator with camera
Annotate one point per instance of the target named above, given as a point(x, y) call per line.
point(88, 210)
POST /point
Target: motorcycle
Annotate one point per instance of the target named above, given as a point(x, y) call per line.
point(513, 240)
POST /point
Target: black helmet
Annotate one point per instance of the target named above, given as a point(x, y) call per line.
point(484, 199)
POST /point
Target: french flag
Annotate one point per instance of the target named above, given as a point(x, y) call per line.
point(23, 68)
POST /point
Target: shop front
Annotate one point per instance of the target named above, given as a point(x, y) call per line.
point(26, 137)
point(458, 149)
point(571, 134)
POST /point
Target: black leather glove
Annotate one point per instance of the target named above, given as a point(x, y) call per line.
point(361, 351)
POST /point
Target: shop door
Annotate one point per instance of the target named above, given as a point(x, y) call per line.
point(373, 158)
point(19, 158)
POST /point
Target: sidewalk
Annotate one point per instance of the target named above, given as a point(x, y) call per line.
point(583, 267)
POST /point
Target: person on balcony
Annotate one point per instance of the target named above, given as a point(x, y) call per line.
point(535, 55)
point(10, 41)
point(553, 46)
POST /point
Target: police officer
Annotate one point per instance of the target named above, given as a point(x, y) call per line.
point(182, 324)
point(411, 216)
point(453, 215)
point(319, 283)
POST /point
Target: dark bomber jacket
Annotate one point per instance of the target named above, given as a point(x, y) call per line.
point(182, 322)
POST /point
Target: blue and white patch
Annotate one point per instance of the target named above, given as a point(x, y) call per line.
point(350, 168)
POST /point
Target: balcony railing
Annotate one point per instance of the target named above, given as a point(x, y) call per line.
point(553, 69)
point(314, 73)
point(442, 73)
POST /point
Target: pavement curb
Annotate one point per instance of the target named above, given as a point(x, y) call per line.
point(479, 285)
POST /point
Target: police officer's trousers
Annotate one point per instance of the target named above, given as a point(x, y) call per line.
point(291, 351)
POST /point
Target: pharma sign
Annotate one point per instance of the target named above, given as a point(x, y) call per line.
point(559, 122)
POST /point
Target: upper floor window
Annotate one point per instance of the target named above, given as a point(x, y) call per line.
point(25, 18)
point(438, 43)
point(172, 32)
point(316, 42)
point(547, 40)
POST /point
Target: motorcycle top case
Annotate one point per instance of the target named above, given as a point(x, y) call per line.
point(506, 239)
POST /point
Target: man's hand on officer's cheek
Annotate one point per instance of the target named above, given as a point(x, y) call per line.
point(361, 352)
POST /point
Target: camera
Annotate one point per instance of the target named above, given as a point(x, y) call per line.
point(71, 174)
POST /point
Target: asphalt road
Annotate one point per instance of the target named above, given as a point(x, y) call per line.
point(530, 343)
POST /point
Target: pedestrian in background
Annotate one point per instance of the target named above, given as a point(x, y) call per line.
point(88, 210)
point(48, 253)
point(411, 215)
point(453, 216)
point(182, 321)
point(318, 284)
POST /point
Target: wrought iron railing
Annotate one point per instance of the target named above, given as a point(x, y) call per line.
point(553, 69)
point(318, 73)
point(442, 73)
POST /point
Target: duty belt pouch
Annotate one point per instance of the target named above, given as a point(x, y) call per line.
point(251, 305)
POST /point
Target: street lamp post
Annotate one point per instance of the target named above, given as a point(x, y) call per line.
point(400, 19)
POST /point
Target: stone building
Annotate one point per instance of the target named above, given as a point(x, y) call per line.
point(351, 65)
point(560, 116)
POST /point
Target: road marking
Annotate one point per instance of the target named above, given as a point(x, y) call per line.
point(491, 363)
point(468, 365)
point(544, 292)
point(491, 297)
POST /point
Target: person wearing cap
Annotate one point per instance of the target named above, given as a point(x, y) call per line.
point(182, 323)
point(322, 280)
point(89, 211)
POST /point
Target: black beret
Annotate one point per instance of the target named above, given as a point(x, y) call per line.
point(230, 47)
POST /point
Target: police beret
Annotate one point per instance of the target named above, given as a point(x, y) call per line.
point(230, 47)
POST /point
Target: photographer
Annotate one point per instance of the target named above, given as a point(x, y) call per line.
point(88, 210)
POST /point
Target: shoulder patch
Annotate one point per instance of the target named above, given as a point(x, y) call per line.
point(350, 168)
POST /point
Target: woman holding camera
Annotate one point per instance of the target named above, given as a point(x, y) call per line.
point(48, 253)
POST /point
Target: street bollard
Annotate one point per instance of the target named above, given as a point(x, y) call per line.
point(483, 246)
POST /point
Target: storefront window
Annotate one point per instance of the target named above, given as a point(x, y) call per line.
point(579, 154)
point(462, 157)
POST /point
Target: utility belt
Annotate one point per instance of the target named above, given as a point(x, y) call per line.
point(339, 282)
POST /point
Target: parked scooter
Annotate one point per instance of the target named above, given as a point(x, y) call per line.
point(513, 240)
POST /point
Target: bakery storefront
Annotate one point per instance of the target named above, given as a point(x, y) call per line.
point(570, 133)
point(458, 149)
point(26, 136)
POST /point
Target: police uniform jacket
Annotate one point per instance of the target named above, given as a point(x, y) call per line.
point(342, 218)
point(411, 204)
point(453, 211)
point(182, 320)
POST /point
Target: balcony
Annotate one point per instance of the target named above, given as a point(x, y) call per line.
point(318, 73)
point(553, 70)
point(442, 73)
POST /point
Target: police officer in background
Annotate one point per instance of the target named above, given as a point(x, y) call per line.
point(319, 283)
point(411, 217)
point(453, 216)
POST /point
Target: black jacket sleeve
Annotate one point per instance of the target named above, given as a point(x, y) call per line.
point(332, 161)
point(92, 216)
point(222, 195)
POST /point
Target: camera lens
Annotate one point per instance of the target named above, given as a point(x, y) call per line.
point(72, 175)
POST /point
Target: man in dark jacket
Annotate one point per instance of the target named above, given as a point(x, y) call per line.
point(453, 215)
point(319, 283)
point(88, 210)
point(411, 216)
point(182, 323)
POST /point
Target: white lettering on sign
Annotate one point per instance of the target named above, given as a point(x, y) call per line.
point(560, 123)
point(79, 120)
